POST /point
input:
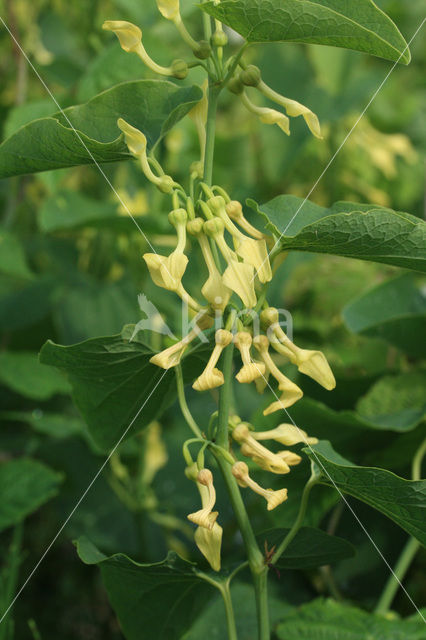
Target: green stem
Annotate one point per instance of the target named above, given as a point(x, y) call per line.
point(213, 95)
point(184, 405)
point(254, 555)
point(12, 576)
point(409, 551)
point(313, 480)
point(225, 592)
point(401, 568)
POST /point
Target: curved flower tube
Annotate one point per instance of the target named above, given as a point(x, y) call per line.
point(273, 498)
point(286, 434)
point(312, 363)
point(250, 371)
point(257, 452)
point(212, 377)
point(205, 517)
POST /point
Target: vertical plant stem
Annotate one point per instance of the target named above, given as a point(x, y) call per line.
point(213, 95)
point(409, 551)
point(12, 576)
point(183, 403)
point(254, 555)
point(313, 480)
point(229, 609)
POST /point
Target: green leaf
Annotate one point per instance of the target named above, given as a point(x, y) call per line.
point(359, 25)
point(395, 402)
point(12, 256)
point(403, 501)
point(67, 210)
point(22, 372)
point(395, 311)
point(159, 600)
point(55, 425)
point(330, 620)
point(24, 306)
point(309, 549)
point(113, 382)
point(153, 106)
point(25, 485)
point(352, 230)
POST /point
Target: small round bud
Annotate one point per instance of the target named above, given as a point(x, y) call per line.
point(251, 76)
point(191, 472)
point(243, 338)
point(261, 343)
point(223, 337)
point(269, 316)
point(234, 209)
point(166, 184)
point(216, 204)
point(178, 216)
point(205, 477)
point(179, 69)
point(213, 227)
point(195, 227)
point(219, 39)
point(240, 470)
point(197, 168)
point(204, 50)
point(235, 85)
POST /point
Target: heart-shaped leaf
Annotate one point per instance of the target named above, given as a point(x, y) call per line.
point(114, 385)
point(88, 132)
point(159, 600)
point(309, 549)
point(359, 25)
point(365, 232)
point(403, 501)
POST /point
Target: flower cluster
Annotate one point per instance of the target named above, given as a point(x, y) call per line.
point(237, 262)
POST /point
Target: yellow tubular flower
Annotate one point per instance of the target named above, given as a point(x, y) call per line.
point(286, 434)
point(209, 542)
point(238, 276)
point(293, 108)
point(250, 370)
point(212, 377)
point(257, 452)
point(169, 9)
point(130, 37)
point(289, 457)
point(214, 291)
point(234, 210)
point(291, 393)
point(312, 363)
point(137, 143)
point(267, 115)
point(205, 517)
point(252, 251)
point(273, 498)
point(171, 356)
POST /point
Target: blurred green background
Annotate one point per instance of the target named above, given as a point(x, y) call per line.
point(71, 269)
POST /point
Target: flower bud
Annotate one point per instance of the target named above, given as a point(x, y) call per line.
point(178, 217)
point(209, 542)
point(195, 226)
point(250, 76)
point(219, 38)
point(213, 227)
point(216, 204)
point(179, 69)
point(166, 184)
point(235, 85)
point(203, 50)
